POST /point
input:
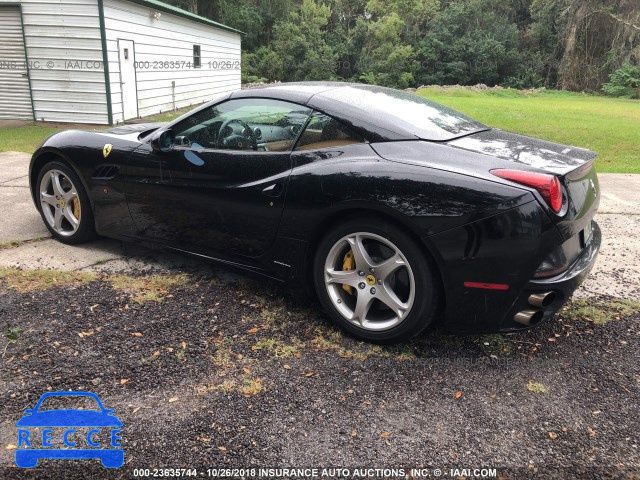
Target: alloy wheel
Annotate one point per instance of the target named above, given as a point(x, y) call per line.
point(60, 203)
point(369, 281)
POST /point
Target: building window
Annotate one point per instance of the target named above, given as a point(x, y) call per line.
point(196, 56)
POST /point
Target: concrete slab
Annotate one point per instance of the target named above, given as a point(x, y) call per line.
point(22, 182)
point(620, 193)
point(21, 219)
point(617, 270)
point(14, 123)
point(13, 165)
point(50, 254)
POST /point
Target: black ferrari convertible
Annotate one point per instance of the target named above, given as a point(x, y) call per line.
point(395, 210)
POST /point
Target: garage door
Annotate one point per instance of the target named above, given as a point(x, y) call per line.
point(15, 96)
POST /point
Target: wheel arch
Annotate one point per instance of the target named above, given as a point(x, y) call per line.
point(46, 155)
point(342, 215)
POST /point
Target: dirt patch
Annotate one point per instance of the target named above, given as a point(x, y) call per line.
point(32, 280)
point(149, 288)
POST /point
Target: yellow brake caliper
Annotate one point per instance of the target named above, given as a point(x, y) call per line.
point(76, 208)
point(348, 264)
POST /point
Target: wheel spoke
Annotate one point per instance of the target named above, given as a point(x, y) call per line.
point(389, 266)
point(58, 191)
point(348, 277)
point(48, 199)
point(68, 214)
point(57, 219)
point(363, 303)
point(70, 195)
point(391, 300)
point(360, 255)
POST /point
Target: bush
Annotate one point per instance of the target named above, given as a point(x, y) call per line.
point(254, 79)
point(624, 82)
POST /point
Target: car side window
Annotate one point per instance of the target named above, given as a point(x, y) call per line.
point(256, 124)
point(324, 131)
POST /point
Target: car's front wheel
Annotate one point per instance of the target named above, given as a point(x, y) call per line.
point(375, 282)
point(64, 204)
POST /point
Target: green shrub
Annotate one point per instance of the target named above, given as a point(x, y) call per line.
point(624, 82)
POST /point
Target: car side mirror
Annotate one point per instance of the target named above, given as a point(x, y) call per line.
point(109, 411)
point(28, 410)
point(163, 141)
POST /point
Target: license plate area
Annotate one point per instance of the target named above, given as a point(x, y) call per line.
point(586, 234)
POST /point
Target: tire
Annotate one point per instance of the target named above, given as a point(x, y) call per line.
point(58, 204)
point(386, 249)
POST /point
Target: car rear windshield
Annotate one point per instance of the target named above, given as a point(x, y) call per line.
point(409, 112)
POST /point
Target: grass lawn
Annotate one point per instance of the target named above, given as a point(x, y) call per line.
point(26, 137)
point(609, 126)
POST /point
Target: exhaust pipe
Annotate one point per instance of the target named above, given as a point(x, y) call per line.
point(528, 317)
point(542, 300)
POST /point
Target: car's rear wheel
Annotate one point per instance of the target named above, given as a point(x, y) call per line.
point(64, 204)
point(375, 282)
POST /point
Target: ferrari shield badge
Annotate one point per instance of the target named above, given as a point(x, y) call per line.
point(106, 150)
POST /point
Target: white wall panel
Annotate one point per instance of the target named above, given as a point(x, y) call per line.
point(15, 97)
point(57, 32)
point(60, 33)
point(170, 38)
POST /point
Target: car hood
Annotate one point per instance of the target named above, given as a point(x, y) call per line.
point(135, 128)
point(69, 418)
point(550, 157)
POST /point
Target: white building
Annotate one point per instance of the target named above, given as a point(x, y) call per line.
point(53, 55)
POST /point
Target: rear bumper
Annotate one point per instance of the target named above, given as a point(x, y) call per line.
point(562, 286)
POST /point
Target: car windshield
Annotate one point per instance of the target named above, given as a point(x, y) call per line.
point(64, 402)
point(423, 118)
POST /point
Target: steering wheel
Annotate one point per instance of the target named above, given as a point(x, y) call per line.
point(248, 137)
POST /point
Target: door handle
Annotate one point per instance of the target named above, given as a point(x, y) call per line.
point(273, 190)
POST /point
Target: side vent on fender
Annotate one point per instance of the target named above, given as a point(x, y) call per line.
point(105, 172)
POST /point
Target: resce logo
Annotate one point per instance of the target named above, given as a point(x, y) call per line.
point(65, 422)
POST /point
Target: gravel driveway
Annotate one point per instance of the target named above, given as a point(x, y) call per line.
point(208, 369)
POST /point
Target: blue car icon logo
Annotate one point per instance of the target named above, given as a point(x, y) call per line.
point(71, 428)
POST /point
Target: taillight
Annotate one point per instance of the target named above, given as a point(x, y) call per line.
point(547, 185)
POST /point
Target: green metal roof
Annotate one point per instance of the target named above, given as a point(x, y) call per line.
point(165, 7)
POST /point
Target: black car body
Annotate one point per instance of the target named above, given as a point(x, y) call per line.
point(433, 173)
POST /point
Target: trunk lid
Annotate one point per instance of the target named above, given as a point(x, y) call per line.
point(550, 157)
point(573, 166)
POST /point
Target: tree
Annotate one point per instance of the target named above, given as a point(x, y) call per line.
point(470, 42)
point(385, 59)
point(570, 44)
point(599, 37)
point(300, 43)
